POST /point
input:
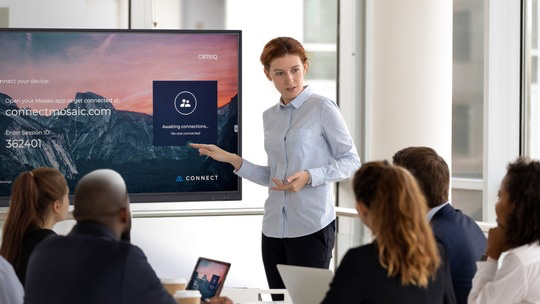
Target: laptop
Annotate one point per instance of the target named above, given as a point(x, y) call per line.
point(208, 277)
point(305, 285)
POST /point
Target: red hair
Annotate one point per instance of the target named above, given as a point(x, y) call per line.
point(281, 46)
point(32, 195)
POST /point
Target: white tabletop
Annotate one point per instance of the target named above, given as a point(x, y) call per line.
point(254, 295)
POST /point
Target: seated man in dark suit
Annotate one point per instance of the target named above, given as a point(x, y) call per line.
point(92, 264)
point(461, 237)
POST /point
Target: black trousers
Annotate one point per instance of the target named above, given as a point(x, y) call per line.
point(313, 250)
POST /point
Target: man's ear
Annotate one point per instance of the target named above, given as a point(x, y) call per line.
point(123, 215)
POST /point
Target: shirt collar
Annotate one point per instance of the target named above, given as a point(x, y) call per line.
point(94, 228)
point(298, 101)
point(434, 210)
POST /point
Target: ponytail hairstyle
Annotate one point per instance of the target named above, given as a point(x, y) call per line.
point(397, 210)
point(32, 195)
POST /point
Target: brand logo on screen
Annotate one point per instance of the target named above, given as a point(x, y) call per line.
point(197, 178)
point(208, 57)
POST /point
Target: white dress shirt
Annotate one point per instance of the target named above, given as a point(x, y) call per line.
point(517, 280)
point(308, 133)
point(11, 290)
point(434, 210)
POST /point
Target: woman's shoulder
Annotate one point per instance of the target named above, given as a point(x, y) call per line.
point(37, 235)
point(364, 251)
point(526, 254)
point(272, 108)
point(362, 262)
point(323, 101)
point(41, 232)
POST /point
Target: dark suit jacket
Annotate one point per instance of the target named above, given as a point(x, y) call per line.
point(360, 278)
point(464, 243)
point(91, 265)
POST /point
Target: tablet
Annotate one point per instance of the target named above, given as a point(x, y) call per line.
point(208, 277)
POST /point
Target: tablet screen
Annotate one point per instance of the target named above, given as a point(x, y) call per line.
point(208, 277)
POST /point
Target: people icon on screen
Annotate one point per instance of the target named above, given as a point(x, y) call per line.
point(185, 103)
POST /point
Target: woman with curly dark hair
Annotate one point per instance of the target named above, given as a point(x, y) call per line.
point(518, 232)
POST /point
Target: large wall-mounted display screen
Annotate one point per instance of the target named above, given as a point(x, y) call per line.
point(128, 100)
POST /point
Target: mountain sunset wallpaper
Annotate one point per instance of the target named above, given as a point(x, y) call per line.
point(58, 70)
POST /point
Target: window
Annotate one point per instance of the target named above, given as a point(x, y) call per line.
point(530, 86)
point(467, 106)
point(320, 40)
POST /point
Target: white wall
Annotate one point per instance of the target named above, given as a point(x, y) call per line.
point(411, 73)
point(259, 93)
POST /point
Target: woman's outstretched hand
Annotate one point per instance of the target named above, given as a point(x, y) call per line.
point(218, 154)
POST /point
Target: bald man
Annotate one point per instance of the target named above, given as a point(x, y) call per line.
point(93, 264)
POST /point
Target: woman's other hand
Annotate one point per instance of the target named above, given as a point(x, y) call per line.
point(496, 243)
point(293, 183)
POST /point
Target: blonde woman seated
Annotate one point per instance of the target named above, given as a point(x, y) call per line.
point(517, 280)
point(402, 264)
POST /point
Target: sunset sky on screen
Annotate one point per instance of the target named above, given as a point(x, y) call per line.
point(209, 268)
point(114, 65)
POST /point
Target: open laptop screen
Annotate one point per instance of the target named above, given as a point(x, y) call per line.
point(208, 277)
point(298, 280)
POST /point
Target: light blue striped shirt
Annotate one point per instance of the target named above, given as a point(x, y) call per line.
point(310, 134)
